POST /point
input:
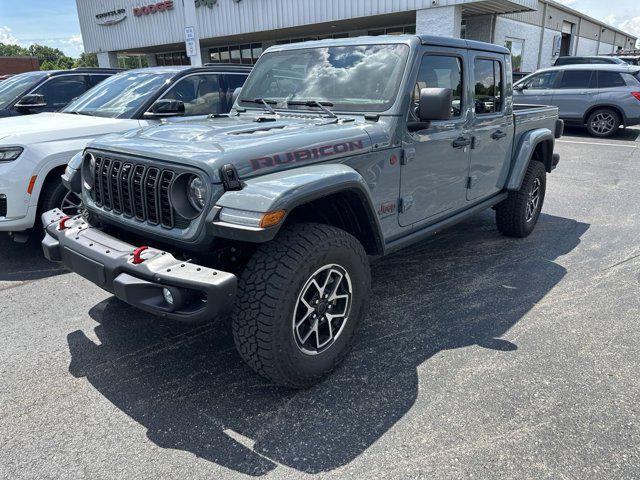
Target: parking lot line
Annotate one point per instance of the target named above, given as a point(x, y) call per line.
point(598, 143)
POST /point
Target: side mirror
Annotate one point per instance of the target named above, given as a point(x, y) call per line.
point(518, 87)
point(31, 101)
point(435, 104)
point(165, 108)
point(236, 94)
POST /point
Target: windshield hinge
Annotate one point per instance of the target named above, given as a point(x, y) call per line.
point(229, 177)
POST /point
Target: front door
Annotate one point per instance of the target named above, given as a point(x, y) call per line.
point(492, 126)
point(436, 158)
point(537, 89)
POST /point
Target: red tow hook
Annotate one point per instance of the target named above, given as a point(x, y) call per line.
point(137, 255)
point(62, 225)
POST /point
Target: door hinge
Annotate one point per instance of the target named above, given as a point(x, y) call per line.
point(406, 203)
point(407, 156)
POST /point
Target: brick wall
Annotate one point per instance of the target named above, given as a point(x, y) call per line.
point(10, 65)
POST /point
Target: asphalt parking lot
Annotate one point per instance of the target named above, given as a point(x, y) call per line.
point(482, 357)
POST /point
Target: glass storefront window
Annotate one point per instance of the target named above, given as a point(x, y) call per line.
point(245, 53)
point(256, 50)
point(234, 53)
point(516, 47)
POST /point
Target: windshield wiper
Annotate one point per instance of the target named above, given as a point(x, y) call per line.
point(314, 103)
point(263, 101)
point(76, 112)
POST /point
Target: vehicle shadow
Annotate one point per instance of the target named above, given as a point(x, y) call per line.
point(187, 386)
point(625, 134)
point(24, 261)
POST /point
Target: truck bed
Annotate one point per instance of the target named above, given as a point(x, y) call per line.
point(530, 117)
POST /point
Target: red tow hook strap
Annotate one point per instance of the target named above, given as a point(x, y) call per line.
point(62, 225)
point(137, 258)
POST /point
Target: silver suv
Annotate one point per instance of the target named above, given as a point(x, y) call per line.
point(600, 97)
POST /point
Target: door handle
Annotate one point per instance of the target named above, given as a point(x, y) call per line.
point(498, 135)
point(461, 142)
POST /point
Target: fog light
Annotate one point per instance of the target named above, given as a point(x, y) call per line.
point(168, 296)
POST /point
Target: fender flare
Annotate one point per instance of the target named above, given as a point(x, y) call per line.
point(287, 190)
point(524, 153)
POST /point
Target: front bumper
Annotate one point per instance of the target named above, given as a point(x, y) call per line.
point(199, 293)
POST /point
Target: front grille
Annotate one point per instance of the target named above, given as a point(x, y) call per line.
point(135, 190)
point(3, 205)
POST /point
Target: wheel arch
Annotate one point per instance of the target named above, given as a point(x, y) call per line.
point(535, 145)
point(615, 108)
point(333, 194)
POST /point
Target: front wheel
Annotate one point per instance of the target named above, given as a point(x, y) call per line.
point(300, 300)
point(518, 215)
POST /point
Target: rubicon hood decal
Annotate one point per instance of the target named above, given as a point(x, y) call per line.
point(306, 154)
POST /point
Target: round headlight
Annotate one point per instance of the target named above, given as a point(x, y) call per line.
point(197, 193)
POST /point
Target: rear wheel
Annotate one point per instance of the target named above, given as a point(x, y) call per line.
point(518, 215)
point(300, 300)
point(603, 122)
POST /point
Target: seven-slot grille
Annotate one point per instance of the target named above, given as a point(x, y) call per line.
point(134, 190)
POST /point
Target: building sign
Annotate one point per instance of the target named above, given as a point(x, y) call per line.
point(112, 17)
point(190, 41)
point(153, 8)
point(206, 3)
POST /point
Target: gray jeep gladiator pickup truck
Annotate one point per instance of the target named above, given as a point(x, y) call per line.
point(337, 152)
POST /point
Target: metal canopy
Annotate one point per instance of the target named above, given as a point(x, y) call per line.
point(487, 7)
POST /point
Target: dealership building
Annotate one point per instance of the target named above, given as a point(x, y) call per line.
point(181, 32)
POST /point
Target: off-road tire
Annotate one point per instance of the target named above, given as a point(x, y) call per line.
point(608, 113)
point(511, 213)
point(268, 291)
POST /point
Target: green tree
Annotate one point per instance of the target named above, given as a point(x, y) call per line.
point(87, 60)
point(7, 50)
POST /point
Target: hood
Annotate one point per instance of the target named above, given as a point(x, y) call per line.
point(47, 127)
point(254, 145)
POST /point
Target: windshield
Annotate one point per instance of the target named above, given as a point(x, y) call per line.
point(119, 96)
point(362, 78)
point(17, 85)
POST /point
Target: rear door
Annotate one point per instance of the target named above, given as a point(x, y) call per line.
point(436, 158)
point(575, 93)
point(537, 89)
point(58, 91)
point(492, 125)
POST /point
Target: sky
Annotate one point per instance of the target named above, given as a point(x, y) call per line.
point(55, 22)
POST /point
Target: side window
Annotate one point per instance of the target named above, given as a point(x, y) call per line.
point(610, 80)
point(576, 79)
point(96, 79)
point(59, 91)
point(199, 93)
point(439, 71)
point(233, 82)
point(541, 81)
point(488, 87)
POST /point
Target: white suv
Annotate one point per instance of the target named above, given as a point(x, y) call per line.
point(35, 149)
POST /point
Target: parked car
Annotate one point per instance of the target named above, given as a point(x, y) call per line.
point(35, 149)
point(336, 151)
point(520, 75)
point(596, 60)
point(600, 97)
point(47, 91)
